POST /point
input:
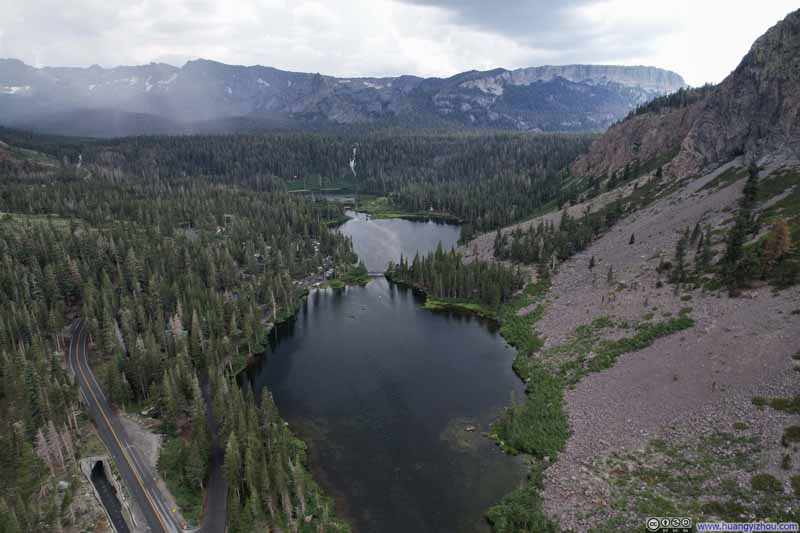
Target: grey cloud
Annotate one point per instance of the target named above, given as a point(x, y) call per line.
point(349, 37)
point(508, 17)
point(553, 29)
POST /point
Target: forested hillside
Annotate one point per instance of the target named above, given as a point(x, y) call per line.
point(176, 280)
point(489, 180)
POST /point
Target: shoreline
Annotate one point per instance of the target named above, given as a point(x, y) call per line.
point(684, 392)
point(516, 319)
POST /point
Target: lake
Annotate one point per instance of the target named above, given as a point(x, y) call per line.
point(392, 398)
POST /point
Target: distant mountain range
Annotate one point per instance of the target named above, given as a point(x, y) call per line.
point(207, 96)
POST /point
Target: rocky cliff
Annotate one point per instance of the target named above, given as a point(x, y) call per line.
point(754, 112)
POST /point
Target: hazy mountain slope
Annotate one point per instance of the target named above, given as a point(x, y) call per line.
point(755, 111)
point(571, 97)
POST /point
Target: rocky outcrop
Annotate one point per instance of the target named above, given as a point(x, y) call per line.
point(656, 80)
point(645, 137)
point(755, 111)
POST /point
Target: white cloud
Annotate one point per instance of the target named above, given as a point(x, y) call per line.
point(702, 40)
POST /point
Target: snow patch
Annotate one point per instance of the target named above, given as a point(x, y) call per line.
point(92, 87)
point(345, 81)
point(147, 84)
point(169, 80)
point(14, 89)
point(130, 81)
point(264, 83)
point(373, 85)
point(228, 90)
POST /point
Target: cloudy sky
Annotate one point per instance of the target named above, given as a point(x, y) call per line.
point(702, 40)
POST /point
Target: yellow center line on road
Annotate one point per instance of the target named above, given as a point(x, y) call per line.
point(121, 447)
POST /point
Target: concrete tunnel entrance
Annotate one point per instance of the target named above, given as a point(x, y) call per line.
point(108, 496)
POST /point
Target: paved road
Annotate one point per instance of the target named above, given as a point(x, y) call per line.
point(138, 478)
point(217, 490)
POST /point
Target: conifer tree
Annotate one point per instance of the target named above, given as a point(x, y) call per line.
point(679, 269)
point(696, 233)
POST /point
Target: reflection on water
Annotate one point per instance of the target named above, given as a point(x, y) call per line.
point(392, 398)
point(378, 241)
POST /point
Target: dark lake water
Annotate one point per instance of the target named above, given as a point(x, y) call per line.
point(383, 392)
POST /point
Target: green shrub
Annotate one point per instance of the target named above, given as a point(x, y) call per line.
point(791, 434)
point(646, 334)
point(538, 425)
point(766, 483)
point(522, 510)
point(729, 510)
point(789, 405)
point(759, 401)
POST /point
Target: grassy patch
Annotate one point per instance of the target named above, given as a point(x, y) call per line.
point(381, 207)
point(17, 219)
point(337, 221)
point(587, 352)
point(434, 304)
point(776, 184)
point(658, 161)
point(726, 178)
point(345, 184)
point(788, 405)
point(693, 475)
point(787, 208)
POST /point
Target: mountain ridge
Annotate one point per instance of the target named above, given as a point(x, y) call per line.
point(545, 98)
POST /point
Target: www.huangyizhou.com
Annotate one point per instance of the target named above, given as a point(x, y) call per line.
point(747, 526)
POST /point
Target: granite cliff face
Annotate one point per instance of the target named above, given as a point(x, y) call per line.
point(206, 95)
point(754, 112)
